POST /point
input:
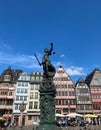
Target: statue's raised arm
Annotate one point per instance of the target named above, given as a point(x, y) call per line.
point(51, 49)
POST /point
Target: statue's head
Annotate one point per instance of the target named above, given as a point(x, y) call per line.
point(46, 50)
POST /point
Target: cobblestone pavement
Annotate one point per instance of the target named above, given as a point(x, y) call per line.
point(59, 128)
point(82, 128)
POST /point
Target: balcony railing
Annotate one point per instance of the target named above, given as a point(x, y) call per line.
point(10, 97)
point(5, 88)
point(6, 107)
point(3, 96)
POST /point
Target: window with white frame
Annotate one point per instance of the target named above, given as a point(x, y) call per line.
point(35, 105)
point(30, 105)
point(31, 95)
point(36, 95)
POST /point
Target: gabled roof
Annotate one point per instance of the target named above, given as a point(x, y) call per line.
point(13, 73)
point(61, 73)
point(60, 69)
point(91, 75)
point(7, 71)
point(80, 80)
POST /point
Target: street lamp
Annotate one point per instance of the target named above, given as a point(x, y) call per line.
point(22, 108)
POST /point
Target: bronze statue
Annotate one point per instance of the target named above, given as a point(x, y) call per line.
point(47, 91)
point(48, 68)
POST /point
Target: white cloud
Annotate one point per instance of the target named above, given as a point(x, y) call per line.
point(73, 70)
point(4, 47)
point(57, 64)
point(20, 60)
point(62, 55)
point(25, 61)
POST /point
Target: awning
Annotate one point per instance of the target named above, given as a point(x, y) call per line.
point(59, 115)
point(91, 115)
point(74, 115)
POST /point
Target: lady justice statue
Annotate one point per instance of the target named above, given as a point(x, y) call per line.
point(48, 68)
point(47, 91)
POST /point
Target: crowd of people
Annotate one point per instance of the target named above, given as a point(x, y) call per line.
point(77, 121)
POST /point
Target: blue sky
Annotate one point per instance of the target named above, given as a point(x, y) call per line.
point(29, 26)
